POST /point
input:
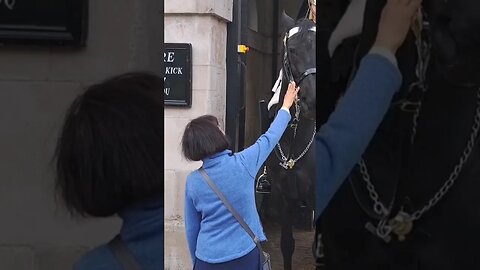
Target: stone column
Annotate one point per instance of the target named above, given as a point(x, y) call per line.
point(204, 25)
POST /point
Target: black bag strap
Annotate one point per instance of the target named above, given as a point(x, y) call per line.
point(123, 254)
point(233, 211)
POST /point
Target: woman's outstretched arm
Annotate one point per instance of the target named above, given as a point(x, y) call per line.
point(254, 156)
point(343, 139)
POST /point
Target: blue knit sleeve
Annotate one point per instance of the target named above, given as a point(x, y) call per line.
point(342, 140)
point(254, 156)
point(192, 222)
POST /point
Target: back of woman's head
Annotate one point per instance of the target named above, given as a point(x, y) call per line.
point(202, 138)
point(109, 155)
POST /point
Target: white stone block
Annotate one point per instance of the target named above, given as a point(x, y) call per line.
point(208, 77)
point(174, 128)
point(219, 8)
point(187, 23)
point(177, 255)
point(175, 194)
point(207, 35)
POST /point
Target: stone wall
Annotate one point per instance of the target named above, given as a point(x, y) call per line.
point(204, 25)
point(36, 86)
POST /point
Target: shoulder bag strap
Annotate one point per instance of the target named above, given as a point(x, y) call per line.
point(123, 254)
point(233, 211)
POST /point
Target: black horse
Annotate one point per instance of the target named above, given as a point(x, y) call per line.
point(412, 202)
point(291, 165)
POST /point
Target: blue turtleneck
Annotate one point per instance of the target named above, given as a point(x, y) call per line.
point(213, 234)
point(142, 231)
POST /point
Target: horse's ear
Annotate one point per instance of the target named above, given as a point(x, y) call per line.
point(287, 21)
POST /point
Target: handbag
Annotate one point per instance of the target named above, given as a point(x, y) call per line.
point(123, 254)
point(264, 256)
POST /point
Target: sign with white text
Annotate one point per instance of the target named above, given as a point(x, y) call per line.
point(178, 74)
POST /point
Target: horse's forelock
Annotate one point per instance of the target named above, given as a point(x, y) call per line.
point(298, 39)
point(304, 25)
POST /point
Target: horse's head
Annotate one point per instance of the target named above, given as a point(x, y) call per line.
point(299, 61)
point(455, 26)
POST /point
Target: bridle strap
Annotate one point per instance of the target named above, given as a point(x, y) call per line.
point(287, 68)
point(286, 61)
point(305, 74)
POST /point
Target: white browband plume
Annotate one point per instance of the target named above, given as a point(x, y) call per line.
point(293, 31)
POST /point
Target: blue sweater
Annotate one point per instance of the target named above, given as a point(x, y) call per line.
point(213, 234)
point(340, 143)
point(142, 231)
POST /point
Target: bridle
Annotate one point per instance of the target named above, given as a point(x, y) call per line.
point(286, 59)
point(287, 69)
point(288, 161)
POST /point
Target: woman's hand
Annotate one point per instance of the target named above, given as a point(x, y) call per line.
point(291, 95)
point(395, 22)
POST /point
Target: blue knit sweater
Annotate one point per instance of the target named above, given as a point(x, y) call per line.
point(142, 231)
point(213, 234)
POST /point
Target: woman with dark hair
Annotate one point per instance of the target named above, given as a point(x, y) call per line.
point(108, 159)
point(216, 240)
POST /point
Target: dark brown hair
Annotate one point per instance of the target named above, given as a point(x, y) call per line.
point(110, 149)
point(203, 138)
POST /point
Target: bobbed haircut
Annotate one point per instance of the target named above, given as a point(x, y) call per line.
point(109, 155)
point(203, 138)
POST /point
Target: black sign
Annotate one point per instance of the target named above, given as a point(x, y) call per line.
point(178, 74)
point(62, 22)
